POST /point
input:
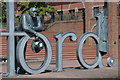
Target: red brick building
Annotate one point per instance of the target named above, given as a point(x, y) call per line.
point(83, 21)
point(112, 13)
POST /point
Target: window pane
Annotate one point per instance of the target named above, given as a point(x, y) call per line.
point(119, 10)
point(96, 10)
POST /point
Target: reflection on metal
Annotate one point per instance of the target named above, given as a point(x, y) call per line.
point(59, 42)
point(102, 31)
point(110, 61)
point(21, 59)
point(37, 45)
point(30, 23)
point(29, 28)
point(10, 40)
point(101, 44)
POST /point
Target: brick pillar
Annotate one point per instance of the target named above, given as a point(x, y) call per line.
point(112, 29)
point(88, 16)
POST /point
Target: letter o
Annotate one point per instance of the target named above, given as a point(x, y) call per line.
point(20, 54)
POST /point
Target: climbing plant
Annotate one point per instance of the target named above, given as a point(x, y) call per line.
point(41, 7)
point(23, 8)
point(3, 12)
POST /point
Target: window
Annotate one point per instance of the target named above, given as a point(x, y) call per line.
point(52, 15)
point(60, 12)
point(80, 10)
point(82, 13)
point(60, 15)
point(71, 14)
point(96, 10)
point(71, 11)
point(119, 10)
point(42, 19)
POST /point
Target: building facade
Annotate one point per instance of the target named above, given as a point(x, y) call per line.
point(112, 13)
point(78, 17)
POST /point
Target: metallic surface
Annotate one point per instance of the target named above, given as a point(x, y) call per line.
point(30, 23)
point(102, 31)
point(20, 54)
point(23, 26)
point(37, 45)
point(110, 61)
point(97, 61)
point(59, 41)
point(10, 40)
point(33, 12)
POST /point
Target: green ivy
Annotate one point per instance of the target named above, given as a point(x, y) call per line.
point(41, 7)
point(3, 12)
point(24, 7)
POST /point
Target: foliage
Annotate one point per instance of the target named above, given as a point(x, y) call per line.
point(41, 7)
point(3, 12)
point(24, 7)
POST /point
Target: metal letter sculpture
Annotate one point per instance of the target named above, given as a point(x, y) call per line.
point(30, 23)
point(10, 39)
point(20, 54)
point(98, 60)
point(59, 41)
point(101, 44)
point(102, 32)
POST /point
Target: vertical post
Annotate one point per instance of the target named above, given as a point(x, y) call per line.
point(10, 40)
point(84, 21)
point(61, 11)
point(59, 42)
point(1, 41)
point(88, 16)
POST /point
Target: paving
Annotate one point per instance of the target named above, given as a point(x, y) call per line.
point(72, 69)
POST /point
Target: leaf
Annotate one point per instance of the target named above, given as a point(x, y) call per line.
point(23, 8)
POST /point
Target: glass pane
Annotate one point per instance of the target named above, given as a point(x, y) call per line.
point(119, 10)
point(96, 10)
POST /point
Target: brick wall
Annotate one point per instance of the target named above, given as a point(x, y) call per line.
point(77, 27)
point(113, 29)
point(68, 26)
point(119, 37)
point(112, 21)
point(69, 48)
point(119, 25)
